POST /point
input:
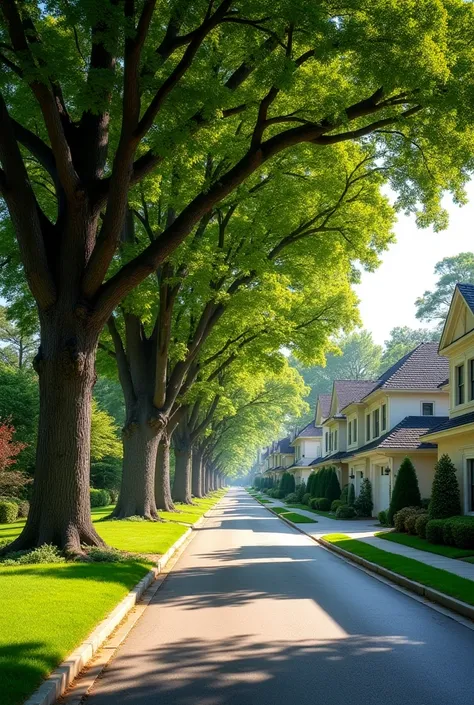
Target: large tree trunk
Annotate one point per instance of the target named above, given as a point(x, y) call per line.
point(137, 491)
point(206, 479)
point(60, 505)
point(196, 483)
point(182, 476)
point(163, 498)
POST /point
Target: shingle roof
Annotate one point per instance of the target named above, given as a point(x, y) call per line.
point(325, 404)
point(405, 435)
point(283, 446)
point(330, 458)
point(350, 390)
point(302, 463)
point(467, 291)
point(310, 430)
point(448, 424)
point(421, 368)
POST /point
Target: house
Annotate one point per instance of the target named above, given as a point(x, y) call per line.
point(279, 457)
point(307, 445)
point(373, 425)
point(455, 436)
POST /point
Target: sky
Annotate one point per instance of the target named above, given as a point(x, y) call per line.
point(387, 296)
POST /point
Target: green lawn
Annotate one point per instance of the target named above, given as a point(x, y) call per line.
point(293, 516)
point(314, 511)
point(47, 610)
point(424, 545)
point(442, 580)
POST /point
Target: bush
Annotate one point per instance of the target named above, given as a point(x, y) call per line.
point(336, 504)
point(402, 515)
point(364, 504)
point(47, 553)
point(23, 509)
point(420, 524)
point(406, 492)
point(278, 494)
point(351, 495)
point(463, 532)
point(292, 498)
point(306, 498)
point(309, 484)
point(106, 474)
point(321, 503)
point(345, 511)
point(425, 502)
point(99, 498)
point(287, 483)
point(410, 521)
point(382, 517)
point(434, 530)
point(445, 498)
point(345, 494)
point(301, 491)
point(8, 512)
point(333, 488)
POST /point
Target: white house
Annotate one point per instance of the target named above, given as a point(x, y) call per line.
point(308, 446)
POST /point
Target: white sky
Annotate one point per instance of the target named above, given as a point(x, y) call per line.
point(387, 296)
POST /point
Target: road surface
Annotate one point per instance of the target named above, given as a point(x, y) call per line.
point(255, 613)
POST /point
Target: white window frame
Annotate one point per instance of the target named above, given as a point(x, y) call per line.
point(427, 402)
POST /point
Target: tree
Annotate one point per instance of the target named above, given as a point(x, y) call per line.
point(406, 492)
point(333, 489)
point(96, 96)
point(402, 340)
point(351, 495)
point(18, 344)
point(19, 402)
point(104, 438)
point(434, 305)
point(364, 504)
point(445, 499)
point(11, 482)
point(354, 356)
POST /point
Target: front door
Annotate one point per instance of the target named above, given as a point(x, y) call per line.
point(384, 489)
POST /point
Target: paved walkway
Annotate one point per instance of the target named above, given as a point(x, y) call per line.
point(364, 530)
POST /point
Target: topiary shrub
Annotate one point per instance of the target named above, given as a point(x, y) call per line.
point(309, 484)
point(410, 522)
point(445, 499)
point(434, 530)
point(382, 517)
point(99, 498)
point(336, 504)
point(287, 483)
point(306, 498)
point(278, 494)
point(321, 503)
point(333, 488)
point(301, 491)
point(406, 492)
point(420, 524)
point(364, 504)
point(463, 532)
point(292, 498)
point(345, 494)
point(402, 515)
point(345, 511)
point(8, 512)
point(351, 495)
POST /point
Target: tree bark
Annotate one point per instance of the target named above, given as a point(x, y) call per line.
point(197, 489)
point(60, 504)
point(163, 498)
point(182, 476)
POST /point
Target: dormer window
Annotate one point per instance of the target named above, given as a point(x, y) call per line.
point(376, 423)
point(384, 417)
point(460, 384)
point(335, 440)
point(350, 432)
point(367, 427)
point(427, 408)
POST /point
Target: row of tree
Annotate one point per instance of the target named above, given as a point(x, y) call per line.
point(200, 179)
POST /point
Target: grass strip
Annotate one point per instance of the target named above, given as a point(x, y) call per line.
point(424, 545)
point(293, 516)
point(328, 515)
point(441, 580)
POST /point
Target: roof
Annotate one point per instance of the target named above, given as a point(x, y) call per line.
point(302, 463)
point(405, 435)
point(421, 368)
point(310, 430)
point(351, 390)
point(325, 404)
point(467, 291)
point(448, 424)
point(283, 446)
point(330, 458)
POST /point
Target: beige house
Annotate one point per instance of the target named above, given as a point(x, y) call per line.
point(373, 425)
point(307, 445)
point(278, 458)
point(455, 436)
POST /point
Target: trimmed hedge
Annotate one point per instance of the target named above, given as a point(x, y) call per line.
point(306, 498)
point(434, 530)
point(336, 504)
point(420, 525)
point(346, 512)
point(410, 522)
point(8, 512)
point(445, 498)
point(455, 531)
point(382, 517)
point(364, 504)
point(321, 503)
point(99, 498)
point(401, 516)
point(406, 492)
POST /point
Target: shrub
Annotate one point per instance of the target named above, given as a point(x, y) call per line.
point(287, 483)
point(410, 522)
point(382, 517)
point(47, 553)
point(8, 512)
point(425, 502)
point(292, 498)
point(402, 515)
point(448, 536)
point(463, 532)
point(364, 504)
point(321, 503)
point(106, 555)
point(306, 498)
point(278, 494)
point(106, 474)
point(420, 524)
point(309, 484)
point(434, 530)
point(23, 509)
point(333, 488)
point(99, 498)
point(336, 504)
point(406, 492)
point(345, 511)
point(351, 495)
point(445, 499)
point(301, 491)
point(345, 494)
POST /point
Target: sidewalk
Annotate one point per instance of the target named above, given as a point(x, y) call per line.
point(364, 530)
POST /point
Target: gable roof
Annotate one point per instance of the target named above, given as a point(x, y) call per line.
point(284, 446)
point(329, 458)
point(302, 463)
point(405, 435)
point(351, 390)
point(449, 335)
point(324, 401)
point(448, 424)
point(467, 291)
point(309, 431)
point(421, 368)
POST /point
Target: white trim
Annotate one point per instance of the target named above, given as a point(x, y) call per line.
point(427, 401)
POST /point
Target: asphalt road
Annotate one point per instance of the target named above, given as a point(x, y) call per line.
point(255, 613)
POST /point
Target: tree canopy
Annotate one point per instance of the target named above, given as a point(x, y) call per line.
point(434, 305)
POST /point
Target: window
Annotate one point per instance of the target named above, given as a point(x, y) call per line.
point(384, 417)
point(471, 380)
point(460, 384)
point(326, 442)
point(335, 440)
point(367, 427)
point(376, 423)
point(350, 432)
point(427, 408)
point(470, 484)
point(355, 430)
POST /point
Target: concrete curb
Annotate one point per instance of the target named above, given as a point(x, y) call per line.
point(61, 678)
point(430, 594)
